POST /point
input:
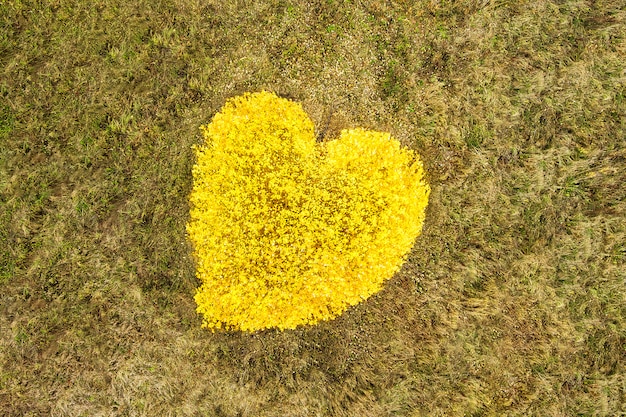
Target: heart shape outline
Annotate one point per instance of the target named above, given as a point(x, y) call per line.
point(287, 231)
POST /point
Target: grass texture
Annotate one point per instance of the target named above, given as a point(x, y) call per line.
point(512, 301)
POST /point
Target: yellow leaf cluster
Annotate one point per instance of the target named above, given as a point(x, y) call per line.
point(287, 231)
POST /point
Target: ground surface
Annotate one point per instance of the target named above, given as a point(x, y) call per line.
point(513, 301)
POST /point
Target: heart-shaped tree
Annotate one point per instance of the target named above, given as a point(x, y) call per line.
point(287, 231)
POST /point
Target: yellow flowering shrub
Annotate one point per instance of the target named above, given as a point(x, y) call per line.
point(287, 231)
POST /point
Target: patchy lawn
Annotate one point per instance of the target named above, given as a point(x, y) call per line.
point(513, 301)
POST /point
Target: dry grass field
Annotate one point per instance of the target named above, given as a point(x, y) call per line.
point(512, 302)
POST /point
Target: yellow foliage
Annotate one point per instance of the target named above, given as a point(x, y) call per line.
point(287, 231)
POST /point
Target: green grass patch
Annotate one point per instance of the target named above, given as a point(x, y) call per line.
point(511, 302)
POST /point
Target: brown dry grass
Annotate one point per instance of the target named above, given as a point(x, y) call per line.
point(513, 301)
